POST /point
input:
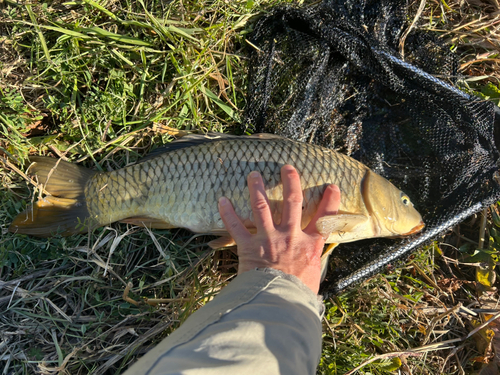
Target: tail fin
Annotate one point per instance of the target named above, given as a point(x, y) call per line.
point(65, 210)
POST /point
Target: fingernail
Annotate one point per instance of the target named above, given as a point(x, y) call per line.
point(334, 187)
point(254, 174)
point(223, 201)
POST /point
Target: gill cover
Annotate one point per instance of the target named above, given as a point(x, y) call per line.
point(392, 212)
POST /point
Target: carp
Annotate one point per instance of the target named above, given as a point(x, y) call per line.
point(179, 185)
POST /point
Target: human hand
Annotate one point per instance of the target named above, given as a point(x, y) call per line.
point(286, 246)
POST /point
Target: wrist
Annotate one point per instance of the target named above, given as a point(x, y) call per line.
point(310, 280)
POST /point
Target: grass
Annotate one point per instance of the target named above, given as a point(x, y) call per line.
point(101, 83)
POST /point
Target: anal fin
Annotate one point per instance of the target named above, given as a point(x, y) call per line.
point(324, 259)
point(222, 242)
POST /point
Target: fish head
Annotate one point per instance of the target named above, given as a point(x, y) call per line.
point(392, 211)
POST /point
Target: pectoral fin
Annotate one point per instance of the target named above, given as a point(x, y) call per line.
point(339, 223)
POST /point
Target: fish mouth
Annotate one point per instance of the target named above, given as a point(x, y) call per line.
point(415, 229)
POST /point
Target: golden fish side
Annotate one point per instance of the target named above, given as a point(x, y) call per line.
point(180, 187)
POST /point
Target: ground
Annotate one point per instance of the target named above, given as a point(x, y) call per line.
point(101, 83)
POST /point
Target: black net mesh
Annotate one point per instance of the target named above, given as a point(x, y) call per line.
point(334, 74)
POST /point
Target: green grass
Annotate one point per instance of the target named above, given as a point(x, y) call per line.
point(101, 83)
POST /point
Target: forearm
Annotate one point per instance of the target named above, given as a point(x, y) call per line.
point(263, 322)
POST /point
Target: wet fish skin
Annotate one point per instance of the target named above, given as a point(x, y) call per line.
point(181, 187)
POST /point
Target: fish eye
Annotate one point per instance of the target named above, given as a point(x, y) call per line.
point(405, 199)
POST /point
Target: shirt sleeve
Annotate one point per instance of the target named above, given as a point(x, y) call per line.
point(263, 322)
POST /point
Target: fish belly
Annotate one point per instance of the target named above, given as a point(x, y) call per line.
point(181, 188)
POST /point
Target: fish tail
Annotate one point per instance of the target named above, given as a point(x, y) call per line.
point(64, 211)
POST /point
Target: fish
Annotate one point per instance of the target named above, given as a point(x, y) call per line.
point(178, 186)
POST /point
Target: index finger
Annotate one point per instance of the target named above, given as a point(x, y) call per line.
point(329, 205)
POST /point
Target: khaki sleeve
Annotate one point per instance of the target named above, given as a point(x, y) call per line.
point(263, 322)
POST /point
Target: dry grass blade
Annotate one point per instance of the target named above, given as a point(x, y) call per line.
point(154, 331)
point(30, 180)
point(419, 12)
point(415, 352)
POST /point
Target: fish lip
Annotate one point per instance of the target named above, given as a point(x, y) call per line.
point(415, 229)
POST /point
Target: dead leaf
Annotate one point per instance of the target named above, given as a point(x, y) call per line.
point(35, 128)
point(422, 329)
point(495, 328)
point(485, 340)
point(450, 285)
point(480, 359)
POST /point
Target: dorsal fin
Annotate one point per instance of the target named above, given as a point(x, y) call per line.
point(265, 136)
point(186, 141)
point(199, 139)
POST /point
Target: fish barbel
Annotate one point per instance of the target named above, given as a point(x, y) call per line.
point(179, 186)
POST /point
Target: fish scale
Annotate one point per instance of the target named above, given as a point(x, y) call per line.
point(202, 174)
point(179, 185)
